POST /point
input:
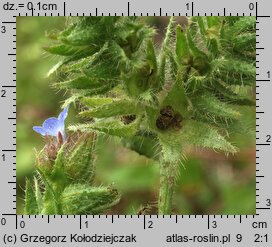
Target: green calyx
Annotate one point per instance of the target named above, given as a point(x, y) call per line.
point(82, 199)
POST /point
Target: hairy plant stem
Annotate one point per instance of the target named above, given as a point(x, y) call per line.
point(168, 174)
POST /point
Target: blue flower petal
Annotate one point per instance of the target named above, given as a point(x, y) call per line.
point(63, 115)
point(39, 130)
point(52, 126)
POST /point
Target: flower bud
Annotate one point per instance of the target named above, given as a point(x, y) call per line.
point(82, 199)
point(79, 162)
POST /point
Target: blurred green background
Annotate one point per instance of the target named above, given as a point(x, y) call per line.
point(209, 182)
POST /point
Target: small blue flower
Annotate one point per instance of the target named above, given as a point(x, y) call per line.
point(52, 126)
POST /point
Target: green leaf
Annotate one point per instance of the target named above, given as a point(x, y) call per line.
point(58, 177)
point(239, 38)
point(246, 41)
point(151, 56)
point(200, 59)
point(182, 49)
point(75, 67)
point(202, 26)
point(139, 81)
point(50, 205)
point(103, 70)
point(117, 54)
point(106, 63)
point(242, 25)
point(208, 104)
point(152, 114)
point(66, 50)
point(204, 135)
point(165, 45)
point(80, 166)
point(213, 34)
point(213, 21)
point(225, 94)
point(233, 71)
point(114, 128)
point(116, 108)
point(80, 55)
point(195, 84)
point(54, 69)
point(65, 32)
point(31, 206)
point(95, 101)
point(196, 51)
point(89, 92)
point(82, 82)
point(50, 200)
point(93, 89)
point(173, 64)
point(176, 97)
point(146, 145)
point(68, 63)
point(82, 199)
point(72, 99)
point(153, 66)
point(79, 37)
point(38, 195)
